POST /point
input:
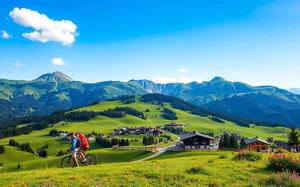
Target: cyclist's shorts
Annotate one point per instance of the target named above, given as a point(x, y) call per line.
point(73, 153)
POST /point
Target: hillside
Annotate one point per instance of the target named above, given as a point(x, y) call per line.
point(55, 91)
point(171, 169)
point(106, 125)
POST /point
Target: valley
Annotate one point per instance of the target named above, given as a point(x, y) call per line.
point(105, 125)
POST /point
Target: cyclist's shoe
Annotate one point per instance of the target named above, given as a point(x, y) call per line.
point(77, 166)
point(84, 160)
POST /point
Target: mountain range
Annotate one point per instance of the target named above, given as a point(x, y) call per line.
point(55, 91)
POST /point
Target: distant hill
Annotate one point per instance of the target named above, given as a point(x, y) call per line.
point(55, 91)
point(294, 90)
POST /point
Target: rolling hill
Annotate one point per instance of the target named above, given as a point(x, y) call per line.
point(102, 124)
point(55, 91)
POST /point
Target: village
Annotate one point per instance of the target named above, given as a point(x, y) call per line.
point(192, 140)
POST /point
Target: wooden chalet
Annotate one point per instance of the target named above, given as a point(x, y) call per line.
point(258, 145)
point(196, 140)
point(173, 125)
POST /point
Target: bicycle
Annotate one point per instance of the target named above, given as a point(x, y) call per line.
point(68, 161)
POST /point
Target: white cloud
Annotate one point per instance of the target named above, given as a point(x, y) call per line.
point(180, 79)
point(45, 29)
point(182, 70)
point(18, 64)
point(5, 34)
point(58, 62)
point(6, 61)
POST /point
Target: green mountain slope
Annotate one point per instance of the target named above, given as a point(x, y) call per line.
point(55, 91)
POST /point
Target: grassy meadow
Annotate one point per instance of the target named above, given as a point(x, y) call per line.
point(169, 169)
point(28, 161)
point(193, 122)
point(100, 124)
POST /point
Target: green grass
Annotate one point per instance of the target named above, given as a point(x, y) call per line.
point(201, 124)
point(37, 139)
point(193, 169)
point(13, 157)
point(102, 124)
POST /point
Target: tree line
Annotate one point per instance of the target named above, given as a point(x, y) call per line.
point(42, 153)
point(122, 98)
point(169, 114)
point(24, 147)
point(15, 131)
point(229, 141)
point(42, 122)
point(150, 140)
point(104, 142)
point(130, 111)
point(213, 118)
point(125, 99)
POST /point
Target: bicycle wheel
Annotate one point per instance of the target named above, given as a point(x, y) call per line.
point(91, 159)
point(67, 162)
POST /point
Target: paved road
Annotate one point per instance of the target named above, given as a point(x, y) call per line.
point(160, 151)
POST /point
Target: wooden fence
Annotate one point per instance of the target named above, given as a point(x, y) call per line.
point(149, 149)
point(176, 148)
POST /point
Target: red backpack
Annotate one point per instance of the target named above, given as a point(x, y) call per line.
point(84, 141)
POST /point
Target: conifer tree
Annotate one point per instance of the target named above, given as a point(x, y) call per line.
point(293, 136)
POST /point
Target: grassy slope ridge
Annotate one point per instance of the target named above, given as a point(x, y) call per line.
point(169, 170)
point(106, 125)
point(29, 161)
point(202, 124)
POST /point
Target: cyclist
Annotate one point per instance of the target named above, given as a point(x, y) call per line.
point(74, 148)
point(84, 146)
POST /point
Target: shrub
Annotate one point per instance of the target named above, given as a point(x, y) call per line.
point(223, 156)
point(248, 155)
point(2, 149)
point(197, 170)
point(282, 179)
point(280, 151)
point(283, 162)
point(61, 153)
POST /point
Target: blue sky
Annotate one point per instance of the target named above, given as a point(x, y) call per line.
point(252, 41)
